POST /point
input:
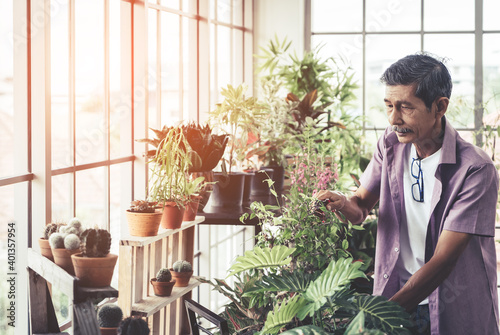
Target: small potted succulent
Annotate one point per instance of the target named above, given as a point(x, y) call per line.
point(143, 218)
point(43, 241)
point(163, 283)
point(66, 242)
point(94, 266)
point(109, 317)
point(182, 272)
point(133, 326)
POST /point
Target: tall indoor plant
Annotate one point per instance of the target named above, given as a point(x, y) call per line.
point(169, 184)
point(237, 116)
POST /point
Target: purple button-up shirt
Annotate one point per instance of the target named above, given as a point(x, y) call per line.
point(464, 200)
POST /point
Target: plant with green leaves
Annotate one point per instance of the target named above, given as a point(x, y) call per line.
point(237, 116)
point(169, 181)
point(318, 303)
point(330, 77)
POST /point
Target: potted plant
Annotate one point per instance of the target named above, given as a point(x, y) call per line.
point(182, 272)
point(109, 317)
point(94, 266)
point(133, 326)
point(163, 283)
point(43, 241)
point(170, 185)
point(66, 242)
point(237, 116)
point(143, 218)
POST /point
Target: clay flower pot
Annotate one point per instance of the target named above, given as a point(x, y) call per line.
point(62, 257)
point(144, 224)
point(181, 278)
point(172, 216)
point(109, 330)
point(162, 288)
point(45, 249)
point(191, 208)
point(94, 271)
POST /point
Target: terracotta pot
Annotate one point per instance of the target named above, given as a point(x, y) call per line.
point(45, 248)
point(191, 208)
point(207, 187)
point(162, 289)
point(62, 257)
point(181, 278)
point(94, 271)
point(109, 330)
point(172, 216)
point(144, 224)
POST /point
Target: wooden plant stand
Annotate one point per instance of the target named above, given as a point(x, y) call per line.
point(139, 260)
point(42, 271)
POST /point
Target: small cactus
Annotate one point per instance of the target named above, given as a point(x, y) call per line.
point(71, 242)
point(142, 206)
point(163, 275)
point(56, 241)
point(182, 266)
point(109, 315)
point(49, 230)
point(133, 326)
point(95, 242)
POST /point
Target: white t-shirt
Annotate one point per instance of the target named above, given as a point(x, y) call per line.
point(413, 230)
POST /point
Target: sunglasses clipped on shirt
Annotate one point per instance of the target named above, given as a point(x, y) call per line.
point(417, 188)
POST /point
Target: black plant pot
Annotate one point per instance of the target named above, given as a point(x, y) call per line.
point(228, 189)
point(247, 190)
point(259, 186)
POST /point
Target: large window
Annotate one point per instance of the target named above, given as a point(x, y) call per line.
point(82, 82)
point(371, 35)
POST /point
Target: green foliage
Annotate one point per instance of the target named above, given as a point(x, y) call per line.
point(306, 330)
point(357, 327)
point(262, 258)
point(337, 275)
point(142, 206)
point(282, 314)
point(95, 242)
point(237, 116)
point(169, 181)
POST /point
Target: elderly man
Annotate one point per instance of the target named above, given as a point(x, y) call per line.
point(438, 194)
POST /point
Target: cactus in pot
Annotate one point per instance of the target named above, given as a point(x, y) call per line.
point(163, 283)
point(65, 242)
point(133, 326)
point(94, 266)
point(182, 271)
point(109, 316)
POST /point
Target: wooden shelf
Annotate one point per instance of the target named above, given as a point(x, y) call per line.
point(152, 304)
point(138, 241)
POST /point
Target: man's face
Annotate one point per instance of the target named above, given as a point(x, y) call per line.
point(410, 118)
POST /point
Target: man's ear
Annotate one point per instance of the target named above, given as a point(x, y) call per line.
point(441, 106)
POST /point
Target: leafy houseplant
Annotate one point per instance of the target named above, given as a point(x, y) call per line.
point(163, 283)
point(66, 242)
point(94, 266)
point(182, 272)
point(170, 184)
point(143, 218)
point(320, 301)
point(109, 317)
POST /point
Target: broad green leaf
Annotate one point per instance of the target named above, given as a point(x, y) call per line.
point(357, 327)
point(306, 330)
point(282, 315)
point(259, 258)
point(338, 274)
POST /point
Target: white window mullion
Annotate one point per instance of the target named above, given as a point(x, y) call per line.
point(107, 142)
point(72, 100)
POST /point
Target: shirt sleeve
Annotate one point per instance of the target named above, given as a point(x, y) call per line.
point(372, 175)
point(474, 210)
